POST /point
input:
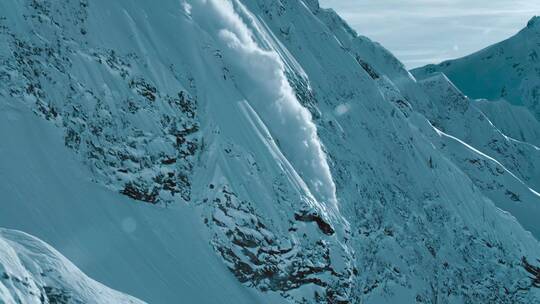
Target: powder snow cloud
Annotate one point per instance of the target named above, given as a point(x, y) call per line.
point(259, 75)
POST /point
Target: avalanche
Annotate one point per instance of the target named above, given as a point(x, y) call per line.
point(260, 77)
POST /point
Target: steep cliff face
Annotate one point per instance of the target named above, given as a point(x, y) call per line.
point(254, 151)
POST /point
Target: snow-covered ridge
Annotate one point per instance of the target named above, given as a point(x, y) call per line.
point(459, 116)
point(33, 272)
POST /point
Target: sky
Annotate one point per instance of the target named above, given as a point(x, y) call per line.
point(420, 32)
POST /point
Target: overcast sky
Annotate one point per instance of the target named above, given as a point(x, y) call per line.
point(428, 31)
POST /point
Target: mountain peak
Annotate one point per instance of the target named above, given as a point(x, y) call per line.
point(534, 23)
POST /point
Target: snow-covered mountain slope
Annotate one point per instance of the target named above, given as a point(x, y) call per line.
point(456, 115)
point(508, 70)
point(33, 272)
point(515, 121)
point(257, 151)
point(159, 254)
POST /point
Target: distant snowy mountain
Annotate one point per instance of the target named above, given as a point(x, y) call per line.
point(508, 70)
point(255, 151)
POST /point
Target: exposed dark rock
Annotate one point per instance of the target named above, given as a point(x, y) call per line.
point(368, 68)
point(312, 217)
point(259, 258)
point(513, 196)
point(56, 296)
point(534, 271)
point(139, 193)
point(143, 88)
